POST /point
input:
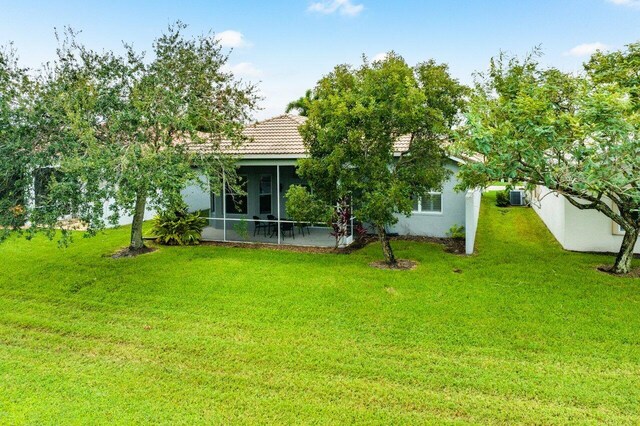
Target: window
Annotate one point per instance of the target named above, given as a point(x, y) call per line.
point(429, 203)
point(265, 194)
point(617, 229)
point(235, 203)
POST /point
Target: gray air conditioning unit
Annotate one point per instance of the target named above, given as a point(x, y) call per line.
point(517, 198)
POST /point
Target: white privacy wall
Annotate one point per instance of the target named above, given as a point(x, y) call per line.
point(551, 209)
point(472, 214)
point(590, 230)
point(575, 229)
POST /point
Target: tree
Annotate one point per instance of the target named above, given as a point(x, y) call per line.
point(305, 209)
point(301, 105)
point(125, 131)
point(356, 117)
point(576, 135)
point(14, 104)
point(302, 207)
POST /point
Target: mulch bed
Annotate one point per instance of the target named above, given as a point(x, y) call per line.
point(126, 252)
point(401, 265)
point(297, 249)
point(451, 245)
point(634, 273)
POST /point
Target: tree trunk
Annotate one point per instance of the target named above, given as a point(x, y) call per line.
point(387, 251)
point(625, 256)
point(136, 226)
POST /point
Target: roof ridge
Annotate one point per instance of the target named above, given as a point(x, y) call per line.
point(299, 119)
point(266, 120)
point(277, 117)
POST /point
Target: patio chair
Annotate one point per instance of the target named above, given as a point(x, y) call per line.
point(258, 225)
point(302, 226)
point(272, 225)
point(287, 227)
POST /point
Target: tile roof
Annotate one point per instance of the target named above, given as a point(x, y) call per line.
point(402, 144)
point(275, 136)
point(279, 136)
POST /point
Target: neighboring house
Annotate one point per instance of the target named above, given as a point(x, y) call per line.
point(267, 166)
point(126, 218)
point(575, 229)
point(39, 190)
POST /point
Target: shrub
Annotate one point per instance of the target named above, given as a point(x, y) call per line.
point(502, 199)
point(242, 229)
point(360, 231)
point(178, 228)
point(302, 206)
point(456, 232)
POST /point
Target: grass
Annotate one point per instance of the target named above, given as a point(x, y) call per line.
point(526, 333)
point(501, 183)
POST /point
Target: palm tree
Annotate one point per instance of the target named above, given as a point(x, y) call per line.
point(301, 105)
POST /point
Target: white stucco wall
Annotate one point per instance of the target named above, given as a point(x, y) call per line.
point(578, 230)
point(436, 224)
point(195, 198)
point(551, 209)
point(590, 230)
point(125, 219)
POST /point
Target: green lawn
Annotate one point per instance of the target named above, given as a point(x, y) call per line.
point(526, 333)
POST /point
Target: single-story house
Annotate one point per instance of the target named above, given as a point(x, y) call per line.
point(267, 166)
point(39, 188)
point(575, 229)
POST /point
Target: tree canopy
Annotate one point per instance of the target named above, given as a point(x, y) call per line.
point(15, 89)
point(357, 116)
point(577, 135)
point(123, 130)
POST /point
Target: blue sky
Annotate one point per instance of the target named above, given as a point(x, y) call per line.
point(287, 46)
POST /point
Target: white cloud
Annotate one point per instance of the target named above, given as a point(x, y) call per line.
point(231, 38)
point(344, 7)
point(379, 57)
point(586, 49)
point(244, 69)
point(632, 3)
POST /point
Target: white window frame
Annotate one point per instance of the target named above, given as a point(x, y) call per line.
point(270, 194)
point(616, 228)
point(431, 212)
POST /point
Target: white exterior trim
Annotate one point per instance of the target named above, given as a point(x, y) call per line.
point(420, 212)
point(268, 162)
